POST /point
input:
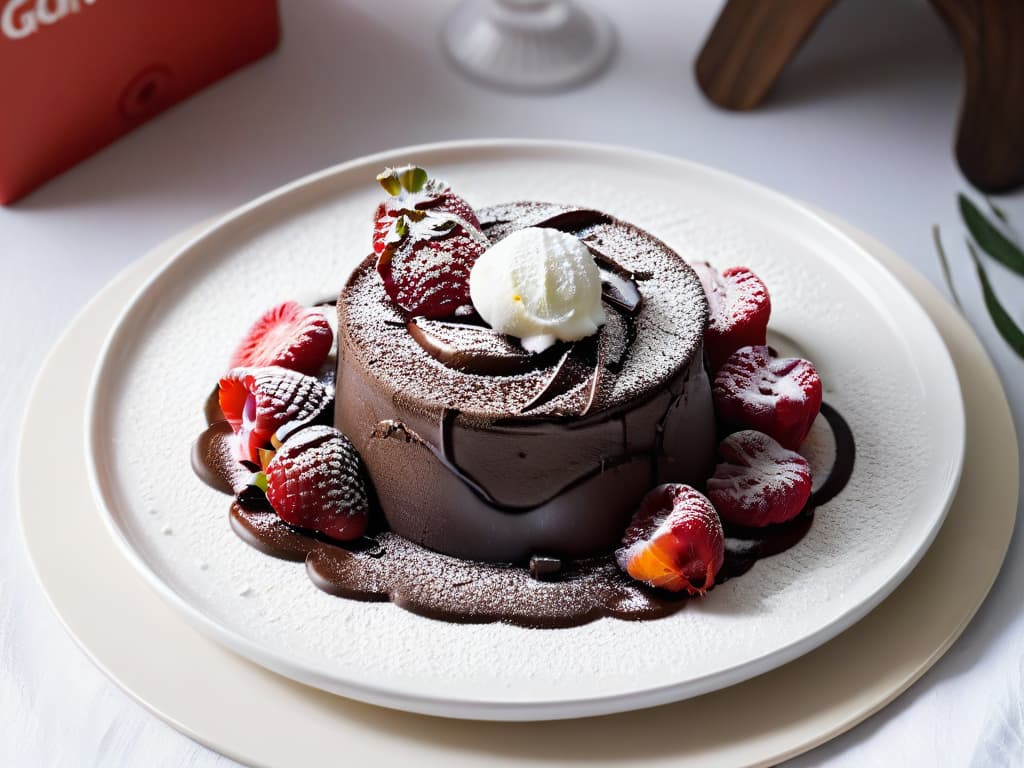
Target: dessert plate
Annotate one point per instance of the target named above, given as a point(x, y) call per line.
point(883, 363)
point(200, 688)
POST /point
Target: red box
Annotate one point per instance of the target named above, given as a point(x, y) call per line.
point(76, 74)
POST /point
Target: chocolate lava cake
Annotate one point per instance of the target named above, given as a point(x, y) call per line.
point(528, 384)
point(479, 449)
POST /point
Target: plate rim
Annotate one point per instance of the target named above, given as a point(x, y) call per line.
point(885, 680)
point(467, 707)
point(861, 690)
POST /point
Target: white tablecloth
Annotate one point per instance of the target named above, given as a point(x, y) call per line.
point(861, 124)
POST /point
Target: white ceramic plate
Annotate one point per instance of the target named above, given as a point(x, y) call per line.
point(884, 366)
point(199, 687)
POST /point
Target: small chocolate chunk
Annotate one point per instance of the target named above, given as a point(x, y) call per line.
point(542, 567)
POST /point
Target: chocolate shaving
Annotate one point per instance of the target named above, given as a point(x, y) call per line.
point(617, 339)
point(474, 348)
point(595, 380)
point(581, 365)
point(574, 220)
point(558, 383)
point(497, 225)
point(621, 293)
point(618, 285)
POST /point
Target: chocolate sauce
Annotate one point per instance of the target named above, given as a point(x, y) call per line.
point(449, 589)
point(842, 466)
point(552, 593)
point(745, 546)
point(604, 463)
point(215, 461)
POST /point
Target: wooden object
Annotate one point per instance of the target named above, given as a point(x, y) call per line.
point(750, 44)
point(753, 40)
point(990, 140)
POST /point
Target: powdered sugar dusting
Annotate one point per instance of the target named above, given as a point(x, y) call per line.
point(668, 331)
point(828, 300)
point(317, 473)
point(431, 584)
point(758, 476)
point(428, 271)
point(757, 381)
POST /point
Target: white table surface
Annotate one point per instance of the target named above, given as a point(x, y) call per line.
point(861, 125)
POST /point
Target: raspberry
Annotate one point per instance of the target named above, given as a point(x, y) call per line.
point(288, 335)
point(261, 402)
point(780, 396)
point(739, 307)
point(759, 482)
point(674, 541)
point(315, 482)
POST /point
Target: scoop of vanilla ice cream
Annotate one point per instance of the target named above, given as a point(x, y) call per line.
point(538, 284)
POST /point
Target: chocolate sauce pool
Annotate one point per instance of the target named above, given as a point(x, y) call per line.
point(386, 567)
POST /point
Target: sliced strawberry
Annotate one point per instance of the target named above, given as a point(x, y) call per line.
point(674, 541)
point(288, 335)
point(315, 482)
point(739, 309)
point(260, 403)
point(426, 239)
point(382, 223)
point(759, 482)
point(780, 396)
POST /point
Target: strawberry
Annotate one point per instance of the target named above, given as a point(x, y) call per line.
point(288, 335)
point(780, 396)
point(315, 481)
point(739, 308)
point(430, 278)
point(674, 541)
point(259, 403)
point(382, 223)
point(411, 190)
point(426, 240)
point(759, 482)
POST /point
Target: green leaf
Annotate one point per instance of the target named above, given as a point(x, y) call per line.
point(413, 178)
point(999, 212)
point(388, 179)
point(1007, 328)
point(989, 239)
point(945, 265)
